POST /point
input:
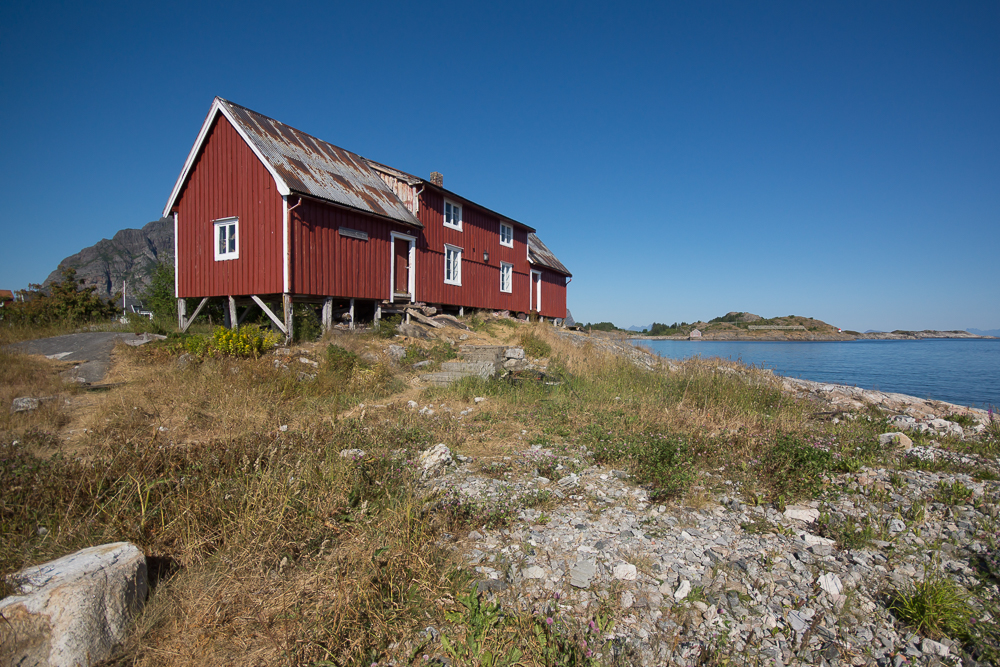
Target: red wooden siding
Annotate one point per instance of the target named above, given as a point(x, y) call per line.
point(480, 286)
point(227, 180)
point(324, 263)
point(553, 294)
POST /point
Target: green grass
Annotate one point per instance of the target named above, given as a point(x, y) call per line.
point(934, 607)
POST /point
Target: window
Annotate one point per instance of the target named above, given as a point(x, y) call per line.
point(506, 276)
point(452, 265)
point(507, 235)
point(452, 215)
point(227, 238)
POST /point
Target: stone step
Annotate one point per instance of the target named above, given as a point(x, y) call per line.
point(444, 378)
point(491, 353)
point(483, 369)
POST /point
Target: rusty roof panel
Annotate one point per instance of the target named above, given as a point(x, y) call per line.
point(540, 254)
point(313, 167)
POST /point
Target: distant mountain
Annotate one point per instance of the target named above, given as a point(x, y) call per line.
point(986, 332)
point(644, 327)
point(130, 256)
point(874, 331)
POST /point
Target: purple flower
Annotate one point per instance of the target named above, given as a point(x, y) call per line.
point(548, 621)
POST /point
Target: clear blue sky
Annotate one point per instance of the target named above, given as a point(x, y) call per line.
point(834, 160)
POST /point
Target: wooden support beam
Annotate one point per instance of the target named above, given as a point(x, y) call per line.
point(461, 311)
point(378, 313)
point(186, 324)
point(181, 312)
point(423, 319)
point(231, 312)
point(246, 311)
point(327, 318)
point(267, 311)
point(352, 313)
point(286, 304)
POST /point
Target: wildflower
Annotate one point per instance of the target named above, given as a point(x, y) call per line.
point(548, 621)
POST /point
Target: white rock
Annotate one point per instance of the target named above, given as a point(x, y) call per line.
point(831, 583)
point(935, 648)
point(411, 404)
point(533, 572)
point(479, 399)
point(811, 539)
point(899, 439)
point(435, 458)
point(624, 572)
point(352, 453)
point(807, 514)
point(627, 599)
point(682, 590)
point(75, 610)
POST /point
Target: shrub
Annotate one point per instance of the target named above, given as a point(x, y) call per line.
point(794, 467)
point(247, 341)
point(387, 327)
point(159, 294)
point(65, 303)
point(306, 324)
point(534, 346)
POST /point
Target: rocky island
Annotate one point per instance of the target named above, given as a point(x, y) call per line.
point(745, 326)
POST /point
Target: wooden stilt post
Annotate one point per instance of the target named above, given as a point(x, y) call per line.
point(327, 314)
point(461, 311)
point(378, 312)
point(286, 303)
point(352, 313)
point(181, 313)
point(231, 320)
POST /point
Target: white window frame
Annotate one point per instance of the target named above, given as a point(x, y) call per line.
point(510, 243)
point(456, 277)
point(456, 210)
point(231, 228)
point(508, 268)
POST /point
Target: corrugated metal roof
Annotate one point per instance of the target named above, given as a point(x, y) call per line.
point(539, 253)
point(316, 168)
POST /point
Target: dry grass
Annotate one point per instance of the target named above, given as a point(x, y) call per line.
point(38, 377)
point(274, 548)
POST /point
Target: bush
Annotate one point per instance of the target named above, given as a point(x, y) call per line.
point(534, 346)
point(306, 325)
point(794, 467)
point(65, 303)
point(159, 295)
point(247, 341)
point(387, 327)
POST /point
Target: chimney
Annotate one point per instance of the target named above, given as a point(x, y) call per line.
point(437, 179)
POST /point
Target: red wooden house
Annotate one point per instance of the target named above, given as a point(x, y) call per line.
point(264, 213)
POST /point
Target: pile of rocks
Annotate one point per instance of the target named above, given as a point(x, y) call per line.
point(728, 576)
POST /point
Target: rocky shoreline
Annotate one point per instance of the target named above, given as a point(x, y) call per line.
point(725, 576)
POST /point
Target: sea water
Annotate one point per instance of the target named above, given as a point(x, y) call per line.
point(966, 372)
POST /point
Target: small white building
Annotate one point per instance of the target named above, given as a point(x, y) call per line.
point(694, 334)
